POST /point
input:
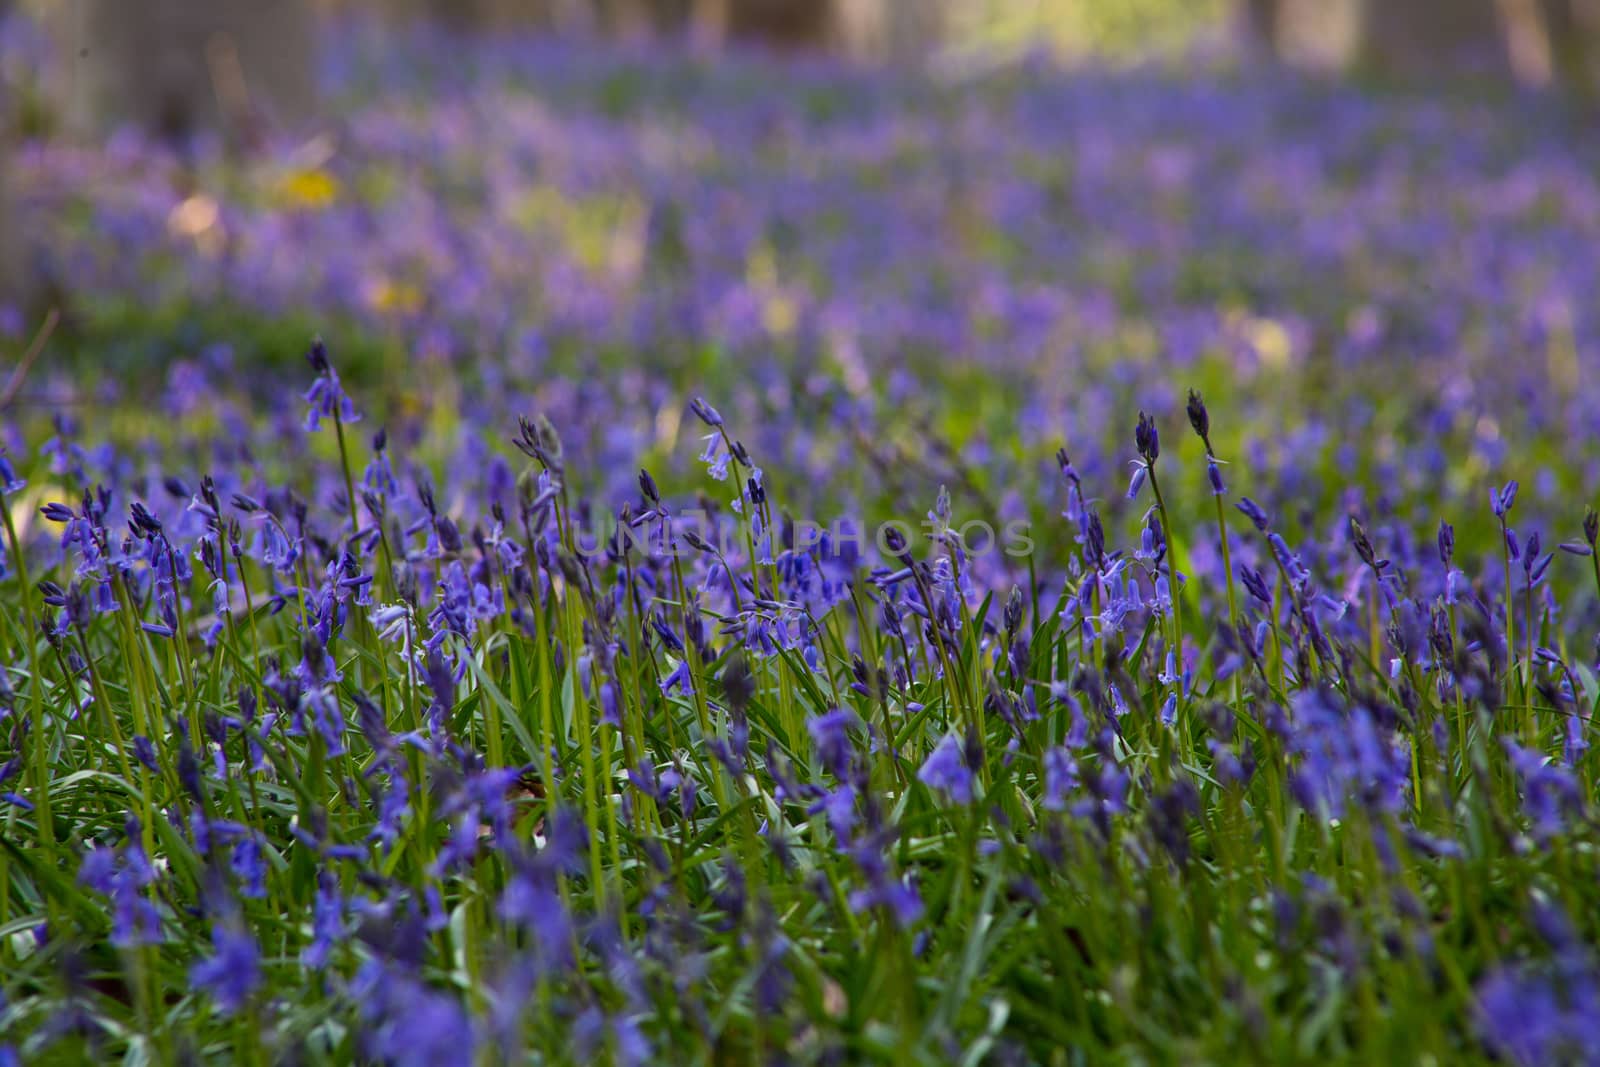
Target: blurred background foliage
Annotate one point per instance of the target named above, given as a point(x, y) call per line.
point(223, 47)
point(248, 67)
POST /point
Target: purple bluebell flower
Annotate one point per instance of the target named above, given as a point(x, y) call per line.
point(830, 734)
point(705, 412)
point(1214, 477)
point(1147, 440)
point(326, 399)
point(1345, 755)
point(409, 1023)
point(1533, 1015)
point(232, 974)
point(1199, 419)
point(122, 874)
point(1060, 778)
point(1253, 512)
point(946, 771)
point(9, 481)
point(1551, 795)
point(1501, 500)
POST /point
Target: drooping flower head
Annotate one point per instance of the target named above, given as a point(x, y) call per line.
point(326, 397)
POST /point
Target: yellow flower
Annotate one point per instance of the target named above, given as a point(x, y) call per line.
point(309, 188)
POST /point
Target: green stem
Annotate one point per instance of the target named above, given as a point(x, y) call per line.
point(30, 631)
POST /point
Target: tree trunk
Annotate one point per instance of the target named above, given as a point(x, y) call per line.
point(1433, 37)
point(790, 24)
point(10, 238)
point(176, 67)
point(1320, 35)
point(1572, 27)
point(1261, 25)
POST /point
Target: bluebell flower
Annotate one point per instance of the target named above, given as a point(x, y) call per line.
point(1060, 778)
point(1501, 500)
point(706, 413)
point(946, 771)
point(410, 1024)
point(9, 481)
point(1345, 755)
point(1551, 794)
point(1146, 439)
point(327, 922)
point(123, 874)
point(830, 734)
point(1534, 1015)
point(531, 900)
point(233, 972)
point(249, 866)
point(1253, 512)
point(1135, 483)
point(1255, 583)
point(839, 807)
point(1199, 419)
point(326, 399)
point(619, 1035)
point(1214, 477)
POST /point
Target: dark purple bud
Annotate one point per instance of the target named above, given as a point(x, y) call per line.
point(143, 522)
point(894, 541)
point(1255, 584)
point(737, 683)
point(449, 536)
point(189, 770)
point(1502, 500)
point(1146, 439)
point(1200, 418)
point(318, 357)
point(1362, 544)
point(1253, 512)
point(706, 412)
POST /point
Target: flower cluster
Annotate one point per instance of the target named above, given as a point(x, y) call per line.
point(326, 746)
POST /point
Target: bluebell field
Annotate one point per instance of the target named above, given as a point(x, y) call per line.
point(498, 579)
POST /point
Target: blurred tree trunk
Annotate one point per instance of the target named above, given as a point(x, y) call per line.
point(1433, 36)
point(1539, 42)
point(1572, 28)
point(877, 28)
point(1261, 25)
point(1315, 34)
point(1527, 26)
point(179, 66)
point(1403, 37)
point(10, 237)
point(801, 24)
point(912, 27)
